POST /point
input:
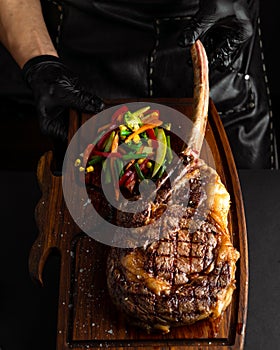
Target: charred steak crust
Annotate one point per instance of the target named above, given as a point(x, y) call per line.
point(178, 280)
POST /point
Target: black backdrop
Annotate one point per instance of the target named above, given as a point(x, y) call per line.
point(28, 313)
point(270, 27)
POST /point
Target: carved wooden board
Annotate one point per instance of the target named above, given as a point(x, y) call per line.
point(86, 317)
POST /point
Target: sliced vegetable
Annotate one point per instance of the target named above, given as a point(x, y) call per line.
point(144, 135)
point(131, 181)
point(139, 172)
point(161, 151)
point(140, 111)
point(142, 129)
point(95, 160)
point(133, 146)
point(129, 164)
point(122, 127)
point(151, 134)
point(169, 154)
point(108, 143)
point(115, 144)
point(107, 172)
point(114, 177)
point(161, 170)
point(128, 172)
point(136, 139)
point(119, 166)
point(118, 114)
point(101, 143)
point(104, 127)
point(151, 116)
point(148, 149)
point(94, 142)
point(124, 133)
point(87, 153)
point(132, 121)
point(134, 156)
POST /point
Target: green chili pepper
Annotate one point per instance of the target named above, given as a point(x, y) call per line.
point(144, 135)
point(161, 171)
point(169, 154)
point(134, 156)
point(119, 167)
point(95, 159)
point(139, 172)
point(132, 146)
point(125, 132)
point(107, 172)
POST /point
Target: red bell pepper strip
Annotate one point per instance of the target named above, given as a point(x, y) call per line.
point(119, 113)
point(151, 134)
point(87, 153)
point(126, 175)
point(131, 181)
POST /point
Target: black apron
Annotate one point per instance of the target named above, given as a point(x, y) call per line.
point(128, 49)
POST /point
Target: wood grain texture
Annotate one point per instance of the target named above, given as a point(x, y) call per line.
point(86, 317)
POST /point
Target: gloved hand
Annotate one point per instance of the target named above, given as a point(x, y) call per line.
point(224, 26)
point(56, 89)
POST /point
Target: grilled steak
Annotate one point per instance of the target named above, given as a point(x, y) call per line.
point(186, 271)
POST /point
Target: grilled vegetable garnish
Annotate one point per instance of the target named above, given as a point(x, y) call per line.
point(135, 142)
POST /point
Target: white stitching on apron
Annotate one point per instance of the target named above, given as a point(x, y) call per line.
point(271, 126)
point(61, 17)
point(152, 59)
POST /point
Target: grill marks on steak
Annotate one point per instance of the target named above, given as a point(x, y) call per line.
point(181, 256)
point(182, 278)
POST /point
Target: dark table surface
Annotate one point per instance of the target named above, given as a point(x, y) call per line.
point(28, 312)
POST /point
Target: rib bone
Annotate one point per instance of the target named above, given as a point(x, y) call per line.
point(200, 98)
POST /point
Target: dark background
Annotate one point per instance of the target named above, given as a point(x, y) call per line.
point(28, 312)
point(270, 27)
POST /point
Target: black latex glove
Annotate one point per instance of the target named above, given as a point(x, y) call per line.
point(224, 25)
point(56, 89)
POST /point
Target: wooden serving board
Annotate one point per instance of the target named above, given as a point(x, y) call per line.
point(86, 317)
